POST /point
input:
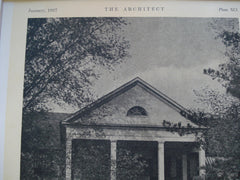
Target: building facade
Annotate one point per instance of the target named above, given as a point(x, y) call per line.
point(138, 117)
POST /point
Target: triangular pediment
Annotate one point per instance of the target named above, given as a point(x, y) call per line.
point(113, 108)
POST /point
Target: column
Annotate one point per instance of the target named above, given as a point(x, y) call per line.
point(68, 159)
point(184, 166)
point(201, 161)
point(113, 159)
point(161, 161)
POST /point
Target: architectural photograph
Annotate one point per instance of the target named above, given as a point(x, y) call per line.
point(131, 98)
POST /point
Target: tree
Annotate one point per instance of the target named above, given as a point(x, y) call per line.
point(229, 72)
point(63, 55)
point(223, 136)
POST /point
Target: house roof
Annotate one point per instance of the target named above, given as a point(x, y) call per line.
point(136, 81)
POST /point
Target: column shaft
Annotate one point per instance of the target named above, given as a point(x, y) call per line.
point(161, 175)
point(113, 160)
point(201, 161)
point(184, 166)
point(68, 159)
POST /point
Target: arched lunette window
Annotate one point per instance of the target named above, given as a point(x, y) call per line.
point(137, 111)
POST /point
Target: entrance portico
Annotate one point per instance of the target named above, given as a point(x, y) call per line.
point(166, 150)
point(136, 113)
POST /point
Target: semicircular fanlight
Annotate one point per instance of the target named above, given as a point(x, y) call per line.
point(137, 111)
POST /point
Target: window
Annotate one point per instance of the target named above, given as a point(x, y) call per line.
point(137, 111)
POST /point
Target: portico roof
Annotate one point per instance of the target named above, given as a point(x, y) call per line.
point(124, 88)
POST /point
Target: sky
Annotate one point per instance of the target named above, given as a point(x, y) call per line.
point(170, 54)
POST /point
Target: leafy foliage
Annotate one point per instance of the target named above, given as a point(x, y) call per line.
point(223, 169)
point(222, 140)
point(229, 73)
point(177, 127)
point(41, 152)
point(91, 160)
point(63, 56)
point(130, 165)
point(223, 136)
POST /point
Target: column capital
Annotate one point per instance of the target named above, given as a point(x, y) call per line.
point(113, 140)
point(69, 137)
point(161, 141)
